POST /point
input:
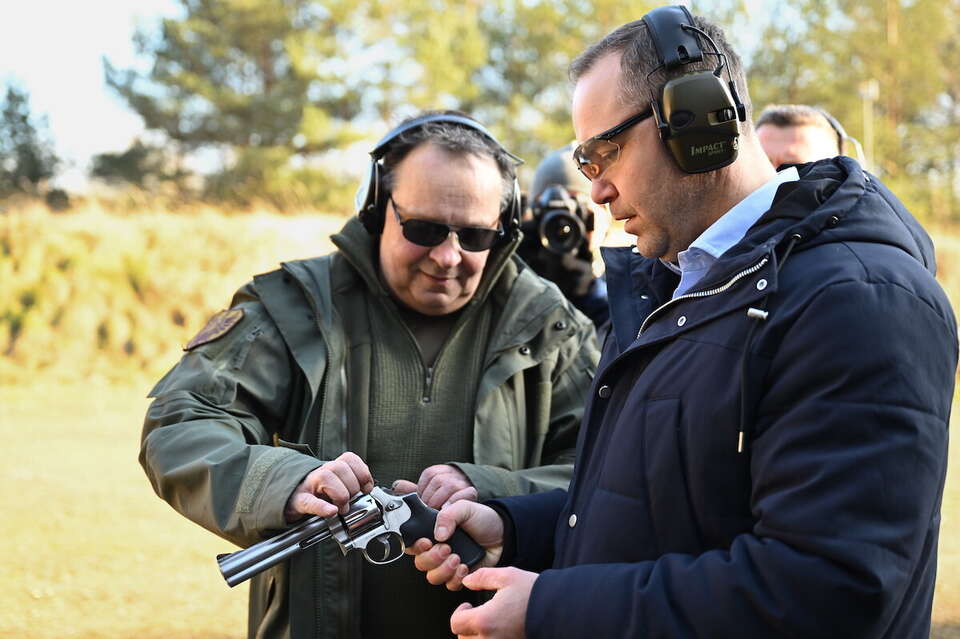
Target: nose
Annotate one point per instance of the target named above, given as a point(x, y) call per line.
point(446, 255)
point(603, 192)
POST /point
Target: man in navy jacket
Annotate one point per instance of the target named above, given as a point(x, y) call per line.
point(764, 450)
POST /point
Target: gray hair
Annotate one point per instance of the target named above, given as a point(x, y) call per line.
point(639, 57)
point(454, 138)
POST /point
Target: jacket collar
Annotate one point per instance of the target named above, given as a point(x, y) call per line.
point(517, 291)
point(834, 201)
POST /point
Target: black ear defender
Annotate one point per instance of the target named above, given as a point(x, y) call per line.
point(371, 198)
point(843, 137)
point(697, 115)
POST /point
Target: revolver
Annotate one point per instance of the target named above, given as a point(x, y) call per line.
point(380, 525)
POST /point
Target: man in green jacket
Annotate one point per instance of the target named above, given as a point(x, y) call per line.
point(422, 345)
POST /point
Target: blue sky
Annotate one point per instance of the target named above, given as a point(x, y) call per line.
point(54, 48)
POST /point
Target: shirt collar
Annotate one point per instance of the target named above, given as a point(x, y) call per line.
point(723, 234)
point(734, 224)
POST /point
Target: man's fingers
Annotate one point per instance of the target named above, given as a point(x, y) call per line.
point(488, 578)
point(402, 487)
point(346, 475)
point(432, 558)
point(307, 503)
point(324, 481)
point(456, 582)
point(419, 547)
point(440, 495)
point(464, 620)
point(359, 470)
point(435, 484)
point(427, 476)
point(450, 518)
point(468, 494)
point(446, 573)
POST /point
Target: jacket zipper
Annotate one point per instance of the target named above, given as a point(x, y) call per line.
point(713, 291)
point(428, 384)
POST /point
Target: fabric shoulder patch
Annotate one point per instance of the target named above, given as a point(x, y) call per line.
point(217, 326)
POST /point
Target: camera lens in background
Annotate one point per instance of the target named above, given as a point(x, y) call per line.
point(561, 232)
point(560, 229)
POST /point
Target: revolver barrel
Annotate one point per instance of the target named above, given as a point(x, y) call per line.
point(237, 567)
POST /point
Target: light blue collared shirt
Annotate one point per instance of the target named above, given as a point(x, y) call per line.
point(725, 232)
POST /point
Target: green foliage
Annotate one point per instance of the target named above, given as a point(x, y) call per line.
point(27, 159)
point(241, 73)
point(503, 61)
point(142, 165)
point(96, 294)
point(265, 176)
point(257, 80)
point(275, 84)
point(277, 87)
point(822, 52)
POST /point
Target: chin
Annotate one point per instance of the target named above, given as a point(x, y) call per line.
point(434, 306)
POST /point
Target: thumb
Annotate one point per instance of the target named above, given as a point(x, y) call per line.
point(487, 579)
point(450, 517)
point(402, 487)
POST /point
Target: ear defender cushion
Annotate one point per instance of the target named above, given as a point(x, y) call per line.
point(371, 211)
point(701, 118)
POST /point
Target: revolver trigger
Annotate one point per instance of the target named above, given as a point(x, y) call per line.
point(384, 549)
point(380, 549)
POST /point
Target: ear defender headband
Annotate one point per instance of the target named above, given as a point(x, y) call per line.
point(371, 198)
point(836, 126)
point(698, 114)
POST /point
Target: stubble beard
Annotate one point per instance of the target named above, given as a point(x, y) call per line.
point(678, 209)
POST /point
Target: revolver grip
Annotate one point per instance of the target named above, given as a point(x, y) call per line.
point(422, 521)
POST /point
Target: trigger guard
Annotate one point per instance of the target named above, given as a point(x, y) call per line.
point(389, 542)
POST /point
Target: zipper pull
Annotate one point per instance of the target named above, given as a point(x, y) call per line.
point(427, 383)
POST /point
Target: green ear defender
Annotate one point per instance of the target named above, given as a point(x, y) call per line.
point(698, 114)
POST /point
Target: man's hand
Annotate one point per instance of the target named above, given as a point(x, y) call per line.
point(443, 567)
point(503, 616)
point(439, 486)
point(328, 489)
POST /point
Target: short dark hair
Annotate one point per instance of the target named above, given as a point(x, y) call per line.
point(454, 138)
point(785, 115)
point(639, 57)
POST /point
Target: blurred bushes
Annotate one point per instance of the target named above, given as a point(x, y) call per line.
point(95, 294)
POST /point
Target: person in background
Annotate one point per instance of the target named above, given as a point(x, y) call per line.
point(422, 345)
point(563, 232)
point(797, 134)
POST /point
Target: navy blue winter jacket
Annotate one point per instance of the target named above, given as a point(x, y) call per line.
point(826, 524)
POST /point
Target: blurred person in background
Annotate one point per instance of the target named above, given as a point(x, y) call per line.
point(797, 134)
point(423, 345)
point(764, 447)
point(563, 231)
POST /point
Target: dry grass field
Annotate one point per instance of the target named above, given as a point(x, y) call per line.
point(88, 551)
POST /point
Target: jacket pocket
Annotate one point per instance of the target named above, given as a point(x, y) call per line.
point(671, 513)
point(644, 461)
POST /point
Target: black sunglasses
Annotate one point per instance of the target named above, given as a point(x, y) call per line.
point(427, 233)
point(599, 153)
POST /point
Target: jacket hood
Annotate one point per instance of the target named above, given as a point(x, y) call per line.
point(834, 200)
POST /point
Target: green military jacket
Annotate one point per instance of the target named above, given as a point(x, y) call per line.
point(241, 419)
